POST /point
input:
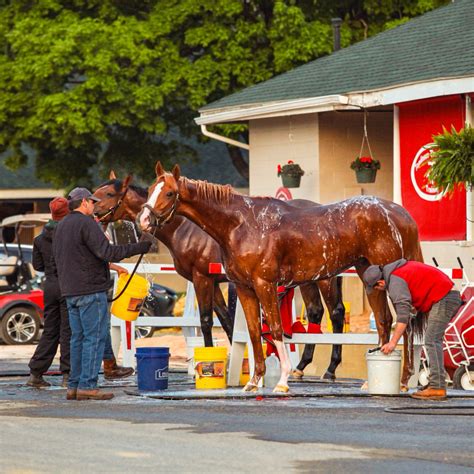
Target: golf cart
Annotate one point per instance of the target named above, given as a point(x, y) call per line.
point(21, 296)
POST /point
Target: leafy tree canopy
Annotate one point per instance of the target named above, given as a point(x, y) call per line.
point(90, 84)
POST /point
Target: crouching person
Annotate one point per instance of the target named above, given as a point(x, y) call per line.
point(82, 254)
point(427, 289)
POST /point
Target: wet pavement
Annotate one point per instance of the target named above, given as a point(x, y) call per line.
point(318, 427)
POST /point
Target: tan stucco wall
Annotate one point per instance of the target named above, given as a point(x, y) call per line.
point(275, 141)
point(340, 137)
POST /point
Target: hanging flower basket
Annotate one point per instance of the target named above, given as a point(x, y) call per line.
point(365, 169)
point(290, 174)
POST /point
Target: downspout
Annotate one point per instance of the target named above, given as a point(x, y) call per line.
point(469, 192)
point(221, 138)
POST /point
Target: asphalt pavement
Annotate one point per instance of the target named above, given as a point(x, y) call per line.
point(319, 427)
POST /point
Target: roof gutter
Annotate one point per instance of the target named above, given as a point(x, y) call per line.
point(221, 138)
point(275, 109)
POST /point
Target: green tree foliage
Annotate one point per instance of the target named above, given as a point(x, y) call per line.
point(90, 84)
point(453, 159)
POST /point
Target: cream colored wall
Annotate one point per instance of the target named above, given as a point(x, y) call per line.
point(275, 141)
point(340, 137)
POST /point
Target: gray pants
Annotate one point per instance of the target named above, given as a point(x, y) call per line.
point(440, 315)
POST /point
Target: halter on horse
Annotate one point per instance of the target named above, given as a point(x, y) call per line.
point(266, 242)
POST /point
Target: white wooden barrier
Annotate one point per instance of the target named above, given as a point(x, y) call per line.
point(190, 324)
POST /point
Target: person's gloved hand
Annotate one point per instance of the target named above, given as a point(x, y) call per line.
point(144, 246)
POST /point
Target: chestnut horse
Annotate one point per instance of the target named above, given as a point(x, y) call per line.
point(122, 201)
point(267, 242)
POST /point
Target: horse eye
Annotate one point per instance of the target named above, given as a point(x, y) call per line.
point(169, 194)
point(110, 195)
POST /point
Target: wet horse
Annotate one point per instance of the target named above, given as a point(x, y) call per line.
point(267, 242)
point(191, 249)
point(120, 200)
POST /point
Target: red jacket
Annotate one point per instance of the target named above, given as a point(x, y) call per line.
point(427, 284)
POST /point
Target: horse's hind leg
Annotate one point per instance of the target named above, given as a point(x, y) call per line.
point(222, 311)
point(204, 287)
point(251, 308)
point(314, 312)
point(332, 294)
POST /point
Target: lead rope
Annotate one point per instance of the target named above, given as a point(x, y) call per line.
point(365, 138)
point(131, 276)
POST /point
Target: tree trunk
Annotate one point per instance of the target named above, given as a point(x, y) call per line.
point(238, 160)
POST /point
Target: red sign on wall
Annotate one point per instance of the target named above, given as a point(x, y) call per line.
point(438, 217)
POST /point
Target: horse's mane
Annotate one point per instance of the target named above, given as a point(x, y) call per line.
point(117, 184)
point(212, 192)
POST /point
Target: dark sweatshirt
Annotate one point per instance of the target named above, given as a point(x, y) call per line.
point(82, 254)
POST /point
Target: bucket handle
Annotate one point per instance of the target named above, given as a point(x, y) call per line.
point(375, 349)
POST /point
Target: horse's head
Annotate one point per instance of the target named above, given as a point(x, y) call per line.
point(162, 200)
point(113, 200)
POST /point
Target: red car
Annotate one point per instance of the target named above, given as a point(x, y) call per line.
point(21, 298)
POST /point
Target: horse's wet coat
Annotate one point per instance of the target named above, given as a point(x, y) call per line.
point(266, 241)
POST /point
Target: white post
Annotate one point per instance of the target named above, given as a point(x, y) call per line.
point(397, 185)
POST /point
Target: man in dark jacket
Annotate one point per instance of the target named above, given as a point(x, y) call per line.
point(82, 254)
point(428, 290)
point(56, 325)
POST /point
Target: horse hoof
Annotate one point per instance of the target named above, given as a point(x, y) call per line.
point(297, 374)
point(250, 387)
point(328, 376)
point(365, 386)
point(404, 388)
point(281, 389)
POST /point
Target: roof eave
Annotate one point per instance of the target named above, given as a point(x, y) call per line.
point(273, 109)
point(371, 98)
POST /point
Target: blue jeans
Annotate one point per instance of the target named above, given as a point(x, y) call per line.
point(89, 321)
point(108, 351)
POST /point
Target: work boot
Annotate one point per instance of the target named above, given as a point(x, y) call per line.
point(93, 394)
point(430, 394)
point(37, 381)
point(65, 380)
point(113, 371)
point(71, 394)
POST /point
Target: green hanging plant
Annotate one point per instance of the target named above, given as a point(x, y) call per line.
point(453, 159)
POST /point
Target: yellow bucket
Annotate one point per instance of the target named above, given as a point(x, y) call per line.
point(210, 367)
point(128, 306)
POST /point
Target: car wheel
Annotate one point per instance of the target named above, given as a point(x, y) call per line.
point(461, 379)
point(144, 331)
point(20, 325)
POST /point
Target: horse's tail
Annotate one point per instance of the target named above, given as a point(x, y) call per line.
point(418, 324)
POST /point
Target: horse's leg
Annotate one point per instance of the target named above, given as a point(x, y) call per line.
point(222, 312)
point(332, 294)
point(204, 286)
point(314, 312)
point(408, 358)
point(251, 307)
point(267, 295)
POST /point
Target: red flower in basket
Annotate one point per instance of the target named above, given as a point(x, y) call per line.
point(290, 169)
point(365, 162)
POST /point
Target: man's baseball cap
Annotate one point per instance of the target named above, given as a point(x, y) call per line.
point(78, 194)
point(371, 276)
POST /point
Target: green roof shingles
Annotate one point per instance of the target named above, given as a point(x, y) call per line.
point(433, 46)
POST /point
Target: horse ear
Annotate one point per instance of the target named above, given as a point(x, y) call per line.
point(176, 172)
point(112, 175)
point(159, 169)
point(127, 181)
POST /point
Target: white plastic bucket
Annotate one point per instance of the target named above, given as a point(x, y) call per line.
point(383, 372)
point(191, 343)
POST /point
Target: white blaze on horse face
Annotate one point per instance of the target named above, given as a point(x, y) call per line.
point(144, 218)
